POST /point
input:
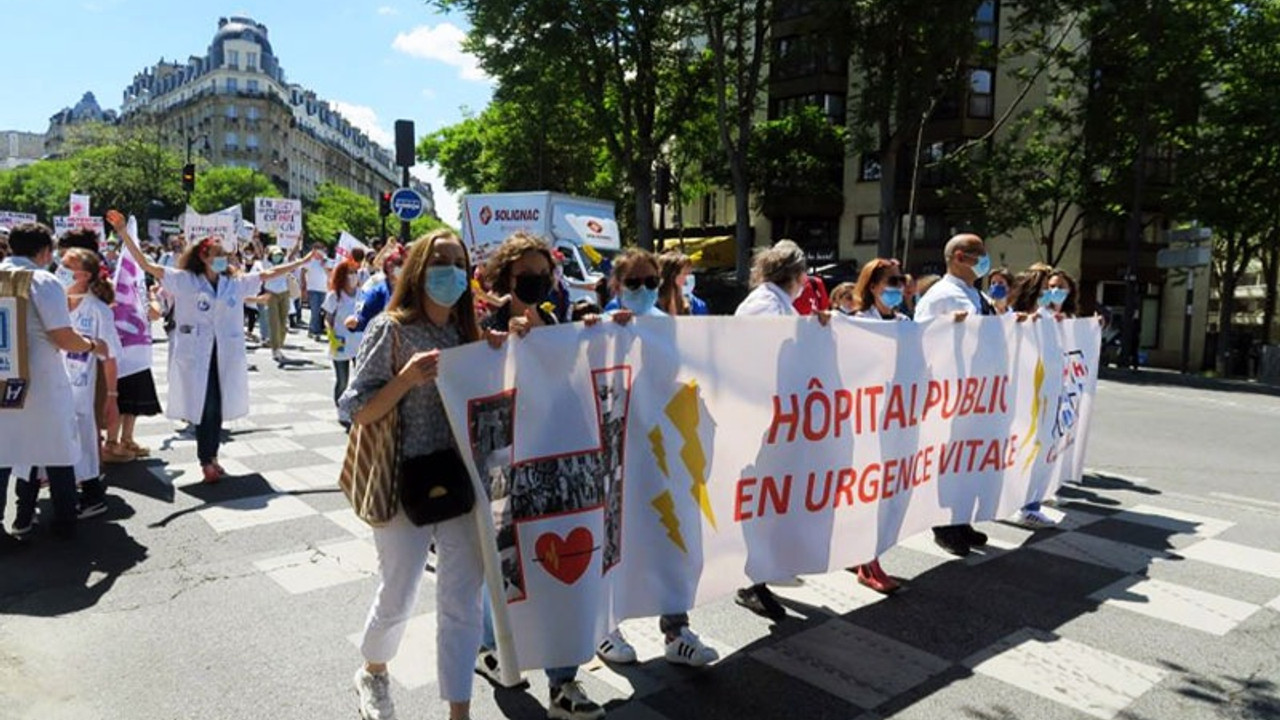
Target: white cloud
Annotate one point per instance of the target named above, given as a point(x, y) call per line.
point(388, 10)
point(448, 207)
point(428, 93)
point(442, 43)
point(365, 118)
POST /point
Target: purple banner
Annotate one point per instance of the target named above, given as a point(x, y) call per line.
point(131, 304)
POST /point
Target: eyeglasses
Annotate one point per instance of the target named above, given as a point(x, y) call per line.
point(652, 282)
point(895, 280)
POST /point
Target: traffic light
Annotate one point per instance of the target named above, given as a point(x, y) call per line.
point(188, 177)
point(384, 204)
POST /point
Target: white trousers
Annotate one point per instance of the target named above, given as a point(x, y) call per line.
point(402, 556)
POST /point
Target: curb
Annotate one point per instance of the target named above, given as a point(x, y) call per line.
point(1170, 378)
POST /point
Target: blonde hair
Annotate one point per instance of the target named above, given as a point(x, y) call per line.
point(100, 284)
point(409, 302)
point(841, 292)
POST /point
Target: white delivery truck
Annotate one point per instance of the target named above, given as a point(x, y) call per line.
point(584, 230)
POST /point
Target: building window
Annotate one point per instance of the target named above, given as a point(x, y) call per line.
point(981, 93)
point(869, 169)
point(232, 85)
point(233, 59)
point(252, 85)
point(985, 21)
point(868, 230)
point(231, 141)
point(231, 112)
point(251, 142)
point(251, 61)
point(253, 113)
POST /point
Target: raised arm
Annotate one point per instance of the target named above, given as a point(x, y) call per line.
point(120, 225)
point(289, 266)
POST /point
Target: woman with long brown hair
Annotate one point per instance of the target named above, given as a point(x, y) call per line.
point(432, 309)
point(340, 303)
point(678, 281)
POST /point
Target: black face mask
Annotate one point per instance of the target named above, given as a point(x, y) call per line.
point(532, 289)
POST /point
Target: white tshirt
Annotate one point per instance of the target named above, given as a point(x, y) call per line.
point(341, 307)
point(91, 318)
point(44, 431)
point(278, 284)
point(317, 274)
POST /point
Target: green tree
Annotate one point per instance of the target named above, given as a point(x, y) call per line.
point(336, 209)
point(218, 188)
point(123, 168)
point(41, 188)
point(737, 34)
point(1231, 159)
point(634, 64)
point(800, 155)
point(907, 57)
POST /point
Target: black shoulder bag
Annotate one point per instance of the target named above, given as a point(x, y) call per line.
point(435, 487)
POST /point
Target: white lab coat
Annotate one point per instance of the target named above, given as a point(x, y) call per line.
point(44, 432)
point(203, 317)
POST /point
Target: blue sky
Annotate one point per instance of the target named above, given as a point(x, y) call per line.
point(380, 60)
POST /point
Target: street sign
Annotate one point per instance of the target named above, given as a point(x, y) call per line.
point(407, 204)
point(1191, 235)
point(1188, 257)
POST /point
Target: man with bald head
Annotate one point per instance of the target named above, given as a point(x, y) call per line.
point(955, 296)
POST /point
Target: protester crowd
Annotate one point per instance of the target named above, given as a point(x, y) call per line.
point(385, 315)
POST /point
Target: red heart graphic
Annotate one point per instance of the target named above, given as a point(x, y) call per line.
point(565, 559)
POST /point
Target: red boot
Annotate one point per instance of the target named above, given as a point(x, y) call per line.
point(874, 577)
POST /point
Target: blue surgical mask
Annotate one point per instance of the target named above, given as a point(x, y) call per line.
point(999, 292)
point(445, 284)
point(1056, 296)
point(219, 264)
point(983, 266)
point(639, 301)
point(891, 296)
point(66, 276)
point(690, 282)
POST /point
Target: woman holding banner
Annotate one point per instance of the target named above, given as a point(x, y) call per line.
point(208, 364)
point(778, 275)
point(877, 296)
point(432, 309)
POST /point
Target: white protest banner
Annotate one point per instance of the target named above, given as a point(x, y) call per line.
point(689, 457)
point(63, 225)
point(79, 205)
point(278, 216)
point(10, 219)
point(348, 242)
point(221, 225)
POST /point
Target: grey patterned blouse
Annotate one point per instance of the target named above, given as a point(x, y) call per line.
point(424, 427)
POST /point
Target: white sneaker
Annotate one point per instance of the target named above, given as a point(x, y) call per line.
point(570, 702)
point(687, 649)
point(374, 690)
point(614, 648)
point(1034, 520)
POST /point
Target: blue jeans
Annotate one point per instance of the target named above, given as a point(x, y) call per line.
point(555, 676)
point(315, 299)
point(341, 376)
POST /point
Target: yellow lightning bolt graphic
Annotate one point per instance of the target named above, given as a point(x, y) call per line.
point(659, 450)
point(684, 413)
point(1035, 417)
point(666, 507)
point(552, 558)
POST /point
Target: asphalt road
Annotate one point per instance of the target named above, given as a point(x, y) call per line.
point(1158, 597)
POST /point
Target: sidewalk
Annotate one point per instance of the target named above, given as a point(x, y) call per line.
point(1157, 376)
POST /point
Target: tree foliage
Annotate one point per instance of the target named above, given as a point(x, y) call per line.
point(336, 209)
point(222, 187)
point(634, 65)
